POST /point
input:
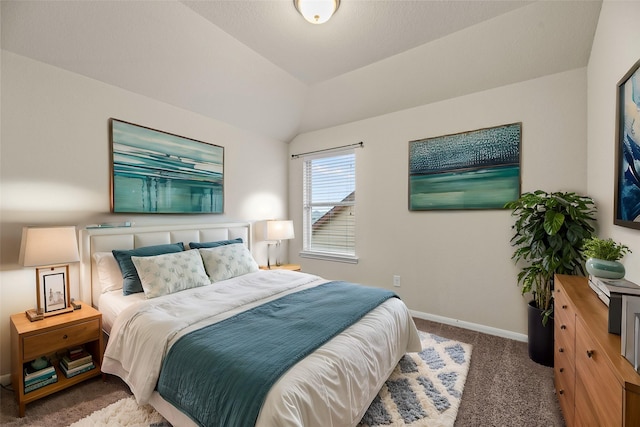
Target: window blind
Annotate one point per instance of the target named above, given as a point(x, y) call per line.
point(330, 205)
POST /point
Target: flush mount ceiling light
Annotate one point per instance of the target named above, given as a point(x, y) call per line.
point(316, 11)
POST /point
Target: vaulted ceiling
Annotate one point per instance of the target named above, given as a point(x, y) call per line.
point(258, 65)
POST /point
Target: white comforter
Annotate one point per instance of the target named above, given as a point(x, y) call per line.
point(331, 387)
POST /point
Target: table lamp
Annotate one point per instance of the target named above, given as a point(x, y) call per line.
point(50, 250)
point(278, 230)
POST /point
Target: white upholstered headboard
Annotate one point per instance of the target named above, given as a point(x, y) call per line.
point(94, 240)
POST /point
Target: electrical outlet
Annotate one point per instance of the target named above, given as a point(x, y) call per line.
point(396, 280)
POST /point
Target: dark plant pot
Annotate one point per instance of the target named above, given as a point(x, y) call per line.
point(540, 337)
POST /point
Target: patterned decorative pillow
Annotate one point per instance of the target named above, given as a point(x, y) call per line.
point(132, 283)
point(169, 273)
point(225, 262)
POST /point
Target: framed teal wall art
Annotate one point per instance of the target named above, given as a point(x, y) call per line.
point(627, 185)
point(478, 169)
point(158, 172)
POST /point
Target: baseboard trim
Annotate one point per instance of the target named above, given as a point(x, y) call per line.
point(471, 326)
point(5, 379)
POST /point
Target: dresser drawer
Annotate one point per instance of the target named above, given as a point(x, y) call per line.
point(565, 334)
point(564, 381)
point(600, 390)
point(561, 304)
point(585, 414)
point(56, 339)
point(563, 314)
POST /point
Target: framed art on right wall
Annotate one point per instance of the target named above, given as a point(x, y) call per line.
point(627, 185)
point(477, 169)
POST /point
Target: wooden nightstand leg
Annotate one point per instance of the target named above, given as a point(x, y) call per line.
point(21, 409)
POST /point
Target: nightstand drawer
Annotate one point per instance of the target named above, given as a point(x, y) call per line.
point(59, 338)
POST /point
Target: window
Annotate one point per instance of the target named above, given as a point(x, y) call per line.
point(329, 207)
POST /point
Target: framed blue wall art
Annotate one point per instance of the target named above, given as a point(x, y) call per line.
point(478, 169)
point(158, 172)
point(627, 185)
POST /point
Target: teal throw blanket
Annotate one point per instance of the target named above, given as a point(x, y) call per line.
point(220, 375)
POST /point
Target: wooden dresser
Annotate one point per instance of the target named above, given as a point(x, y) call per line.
point(595, 384)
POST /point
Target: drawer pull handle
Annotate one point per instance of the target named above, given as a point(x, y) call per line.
point(560, 391)
point(561, 370)
point(563, 327)
point(561, 350)
point(64, 337)
point(589, 354)
point(565, 306)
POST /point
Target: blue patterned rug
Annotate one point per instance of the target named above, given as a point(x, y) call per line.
point(425, 388)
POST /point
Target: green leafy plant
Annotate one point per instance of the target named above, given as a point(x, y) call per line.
point(549, 231)
point(606, 249)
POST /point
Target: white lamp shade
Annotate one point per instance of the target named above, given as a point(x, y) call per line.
point(48, 246)
point(317, 11)
point(279, 230)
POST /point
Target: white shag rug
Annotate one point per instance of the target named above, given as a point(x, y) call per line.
point(424, 390)
point(123, 413)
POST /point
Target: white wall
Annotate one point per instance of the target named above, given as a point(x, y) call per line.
point(616, 48)
point(455, 264)
point(54, 166)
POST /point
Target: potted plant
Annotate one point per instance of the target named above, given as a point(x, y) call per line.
point(548, 234)
point(602, 257)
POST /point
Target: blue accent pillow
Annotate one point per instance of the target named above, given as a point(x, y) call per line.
point(196, 245)
point(131, 283)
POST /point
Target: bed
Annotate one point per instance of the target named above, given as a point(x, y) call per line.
point(333, 363)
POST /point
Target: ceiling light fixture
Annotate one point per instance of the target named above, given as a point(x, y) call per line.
point(316, 11)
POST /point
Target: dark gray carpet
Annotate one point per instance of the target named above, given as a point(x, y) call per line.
point(503, 388)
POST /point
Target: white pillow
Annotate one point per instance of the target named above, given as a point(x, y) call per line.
point(225, 262)
point(169, 273)
point(109, 274)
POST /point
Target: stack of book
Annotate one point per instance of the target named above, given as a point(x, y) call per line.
point(76, 361)
point(605, 287)
point(36, 378)
point(611, 292)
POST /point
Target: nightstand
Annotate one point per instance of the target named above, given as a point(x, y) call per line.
point(49, 337)
point(292, 267)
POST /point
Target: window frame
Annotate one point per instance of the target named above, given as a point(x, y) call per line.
point(309, 251)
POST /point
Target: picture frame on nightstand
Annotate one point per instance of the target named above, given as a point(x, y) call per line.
point(53, 289)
